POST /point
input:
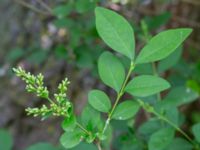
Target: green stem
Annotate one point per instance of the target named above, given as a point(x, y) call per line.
point(99, 145)
point(83, 129)
point(151, 109)
point(119, 95)
point(173, 125)
point(50, 100)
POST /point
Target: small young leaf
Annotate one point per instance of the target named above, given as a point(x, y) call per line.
point(115, 31)
point(71, 139)
point(125, 110)
point(99, 100)
point(162, 45)
point(196, 131)
point(161, 139)
point(146, 85)
point(69, 123)
point(111, 71)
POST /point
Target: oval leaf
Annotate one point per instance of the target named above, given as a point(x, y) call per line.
point(99, 100)
point(161, 139)
point(125, 110)
point(111, 71)
point(115, 31)
point(70, 139)
point(162, 45)
point(146, 85)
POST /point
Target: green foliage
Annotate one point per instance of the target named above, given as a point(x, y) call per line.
point(125, 110)
point(42, 146)
point(6, 140)
point(180, 144)
point(170, 61)
point(163, 117)
point(179, 96)
point(162, 45)
point(71, 138)
point(99, 100)
point(115, 31)
point(111, 71)
point(146, 85)
point(196, 131)
point(69, 124)
point(161, 139)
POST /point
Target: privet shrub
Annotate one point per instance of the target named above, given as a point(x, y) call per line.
point(163, 117)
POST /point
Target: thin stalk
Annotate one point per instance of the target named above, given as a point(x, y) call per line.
point(50, 100)
point(151, 109)
point(173, 125)
point(83, 129)
point(99, 145)
point(119, 95)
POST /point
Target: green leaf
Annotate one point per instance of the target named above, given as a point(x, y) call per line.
point(6, 141)
point(170, 61)
point(62, 11)
point(38, 56)
point(69, 124)
point(85, 146)
point(115, 31)
point(42, 146)
point(156, 22)
point(99, 100)
point(125, 110)
point(161, 139)
point(146, 85)
point(162, 45)
point(179, 96)
point(14, 55)
point(143, 69)
point(90, 118)
point(196, 131)
point(71, 139)
point(111, 71)
point(149, 127)
point(180, 144)
point(85, 6)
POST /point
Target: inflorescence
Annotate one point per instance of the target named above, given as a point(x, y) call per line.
point(61, 106)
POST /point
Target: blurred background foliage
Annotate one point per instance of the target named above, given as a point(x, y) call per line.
point(58, 38)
